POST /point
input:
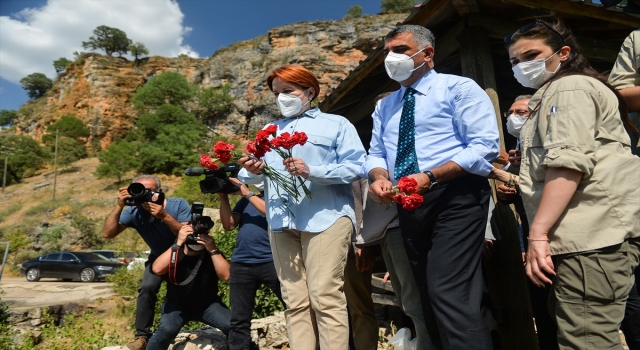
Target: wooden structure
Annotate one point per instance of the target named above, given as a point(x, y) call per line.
point(469, 42)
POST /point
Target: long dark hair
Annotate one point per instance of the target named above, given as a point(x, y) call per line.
point(576, 64)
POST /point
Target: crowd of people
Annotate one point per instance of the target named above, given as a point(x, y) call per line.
point(573, 178)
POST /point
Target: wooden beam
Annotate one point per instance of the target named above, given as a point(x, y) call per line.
point(498, 28)
point(579, 9)
point(508, 288)
point(477, 64)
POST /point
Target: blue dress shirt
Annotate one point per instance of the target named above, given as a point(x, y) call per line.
point(334, 155)
point(454, 119)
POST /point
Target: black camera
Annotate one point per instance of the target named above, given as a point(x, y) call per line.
point(216, 181)
point(199, 223)
point(139, 194)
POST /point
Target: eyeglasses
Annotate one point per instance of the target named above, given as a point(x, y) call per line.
point(530, 26)
point(520, 112)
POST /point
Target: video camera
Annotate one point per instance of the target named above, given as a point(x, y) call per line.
point(200, 224)
point(139, 194)
point(216, 181)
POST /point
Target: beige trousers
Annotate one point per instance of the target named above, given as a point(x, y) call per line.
point(310, 267)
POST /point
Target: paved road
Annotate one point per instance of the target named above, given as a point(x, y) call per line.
point(22, 295)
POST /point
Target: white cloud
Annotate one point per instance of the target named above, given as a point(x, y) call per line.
point(35, 37)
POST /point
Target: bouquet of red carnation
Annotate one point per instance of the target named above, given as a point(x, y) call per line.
point(224, 154)
point(282, 145)
point(406, 194)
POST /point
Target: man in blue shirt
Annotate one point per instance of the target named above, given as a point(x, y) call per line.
point(441, 131)
point(158, 225)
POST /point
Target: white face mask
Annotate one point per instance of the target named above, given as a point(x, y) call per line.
point(290, 105)
point(400, 66)
point(515, 123)
point(533, 74)
point(195, 247)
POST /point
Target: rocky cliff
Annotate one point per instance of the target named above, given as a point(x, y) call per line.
point(98, 89)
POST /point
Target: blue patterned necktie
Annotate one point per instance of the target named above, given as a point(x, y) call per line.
point(406, 160)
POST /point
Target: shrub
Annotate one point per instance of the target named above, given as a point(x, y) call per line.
point(354, 11)
point(397, 6)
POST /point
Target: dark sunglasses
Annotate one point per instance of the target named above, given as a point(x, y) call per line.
point(530, 26)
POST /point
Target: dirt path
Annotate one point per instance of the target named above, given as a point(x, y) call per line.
point(23, 295)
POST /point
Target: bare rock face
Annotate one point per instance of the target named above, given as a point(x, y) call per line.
point(97, 88)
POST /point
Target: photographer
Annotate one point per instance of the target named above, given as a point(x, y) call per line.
point(193, 268)
point(252, 261)
point(158, 224)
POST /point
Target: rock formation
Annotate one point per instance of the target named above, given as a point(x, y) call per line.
point(98, 88)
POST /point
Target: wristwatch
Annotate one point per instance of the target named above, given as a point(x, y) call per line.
point(432, 179)
point(215, 252)
point(249, 195)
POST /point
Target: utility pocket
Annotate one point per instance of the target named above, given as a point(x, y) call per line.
point(602, 276)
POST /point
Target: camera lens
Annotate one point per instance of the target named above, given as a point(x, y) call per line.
point(136, 189)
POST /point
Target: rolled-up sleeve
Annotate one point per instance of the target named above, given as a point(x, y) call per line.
point(475, 120)
point(350, 155)
point(569, 142)
point(625, 72)
point(377, 157)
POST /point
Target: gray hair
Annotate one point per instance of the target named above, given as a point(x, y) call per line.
point(421, 35)
point(154, 178)
point(523, 97)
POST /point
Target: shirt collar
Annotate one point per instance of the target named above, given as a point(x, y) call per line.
point(313, 112)
point(423, 84)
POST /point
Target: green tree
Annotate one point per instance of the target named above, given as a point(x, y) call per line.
point(36, 84)
point(26, 156)
point(397, 6)
point(138, 49)
point(355, 11)
point(69, 150)
point(168, 87)
point(118, 159)
point(71, 142)
point(7, 117)
point(171, 138)
point(111, 40)
point(67, 126)
point(213, 102)
point(61, 64)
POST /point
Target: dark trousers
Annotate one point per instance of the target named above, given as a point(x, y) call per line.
point(443, 239)
point(546, 328)
point(631, 322)
point(243, 285)
point(175, 317)
point(147, 298)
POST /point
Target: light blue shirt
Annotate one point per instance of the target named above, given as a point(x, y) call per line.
point(455, 121)
point(334, 154)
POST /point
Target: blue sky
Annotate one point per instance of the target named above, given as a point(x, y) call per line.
point(33, 33)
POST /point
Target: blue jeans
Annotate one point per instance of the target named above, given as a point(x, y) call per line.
point(404, 284)
point(175, 317)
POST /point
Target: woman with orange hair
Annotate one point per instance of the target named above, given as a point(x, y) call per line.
point(310, 236)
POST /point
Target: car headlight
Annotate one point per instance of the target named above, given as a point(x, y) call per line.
point(104, 268)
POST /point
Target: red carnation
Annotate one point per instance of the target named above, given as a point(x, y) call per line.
point(223, 151)
point(398, 198)
point(262, 135)
point(277, 142)
point(286, 141)
point(207, 162)
point(299, 138)
point(412, 202)
point(271, 129)
point(407, 185)
point(251, 147)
